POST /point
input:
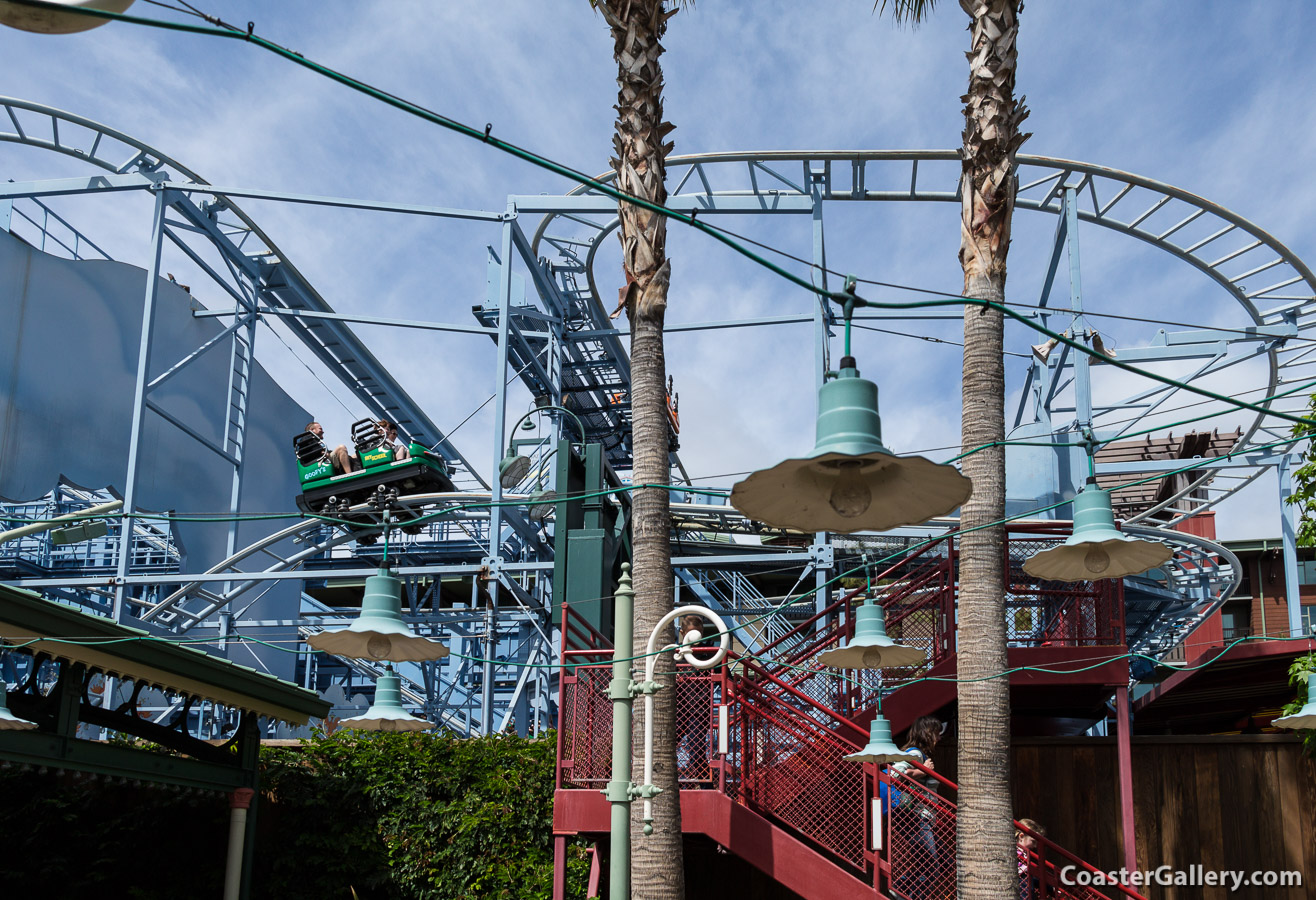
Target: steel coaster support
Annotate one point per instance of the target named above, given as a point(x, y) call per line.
point(1288, 520)
point(1082, 362)
point(823, 319)
point(494, 557)
point(241, 361)
point(139, 404)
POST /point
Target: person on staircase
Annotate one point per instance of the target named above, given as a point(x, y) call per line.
point(915, 817)
point(1027, 844)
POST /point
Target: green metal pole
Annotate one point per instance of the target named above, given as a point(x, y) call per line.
point(619, 788)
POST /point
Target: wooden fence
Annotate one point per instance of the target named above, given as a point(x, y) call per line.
point(1239, 802)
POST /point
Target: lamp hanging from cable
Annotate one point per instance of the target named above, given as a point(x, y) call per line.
point(379, 631)
point(871, 647)
point(54, 21)
point(851, 481)
point(386, 713)
point(1096, 549)
point(880, 747)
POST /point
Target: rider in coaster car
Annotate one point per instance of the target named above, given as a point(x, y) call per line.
point(343, 459)
point(389, 431)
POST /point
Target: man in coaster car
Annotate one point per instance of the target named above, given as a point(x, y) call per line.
point(343, 460)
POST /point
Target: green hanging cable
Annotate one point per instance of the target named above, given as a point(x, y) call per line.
point(485, 136)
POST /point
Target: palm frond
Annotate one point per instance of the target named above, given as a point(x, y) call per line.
point(905, 12)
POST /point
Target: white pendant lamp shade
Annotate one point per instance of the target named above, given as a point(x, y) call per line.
point(379, 632)
point(871, 648)
point(1096, 549)
point(1303, 718)
point(50, 21)
point(386, 713)
point(850, 482)
point(881, 748)
point(9, 721)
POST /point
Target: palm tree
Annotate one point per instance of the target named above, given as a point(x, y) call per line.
point(992, 116)
point(657, 864)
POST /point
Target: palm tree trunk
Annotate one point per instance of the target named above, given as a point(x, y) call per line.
point(637, 27)
point(985, 846)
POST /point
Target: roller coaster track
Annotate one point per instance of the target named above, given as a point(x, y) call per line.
point(1201, 576)
point(315, 537)
point(1274, 289)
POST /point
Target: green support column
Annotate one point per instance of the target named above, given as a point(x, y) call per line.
point(619, 788)
point(585, 549)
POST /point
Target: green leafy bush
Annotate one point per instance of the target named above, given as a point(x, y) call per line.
point(411, 815)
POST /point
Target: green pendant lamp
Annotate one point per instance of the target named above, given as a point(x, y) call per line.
point(1096, 549)
point(1303, 718)
point(850, 482)
point(9, 721)
point(512, 469)
point(881, 748)
point(542, 504)
point(386, 713)
point(379, 632)
point(871, 648)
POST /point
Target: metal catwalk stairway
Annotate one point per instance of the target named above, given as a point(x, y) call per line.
point(763, 739)
point(763, 774)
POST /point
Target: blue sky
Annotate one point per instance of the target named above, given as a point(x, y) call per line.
point(1210, 97)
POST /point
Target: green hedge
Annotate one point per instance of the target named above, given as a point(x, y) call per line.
point(411, 815)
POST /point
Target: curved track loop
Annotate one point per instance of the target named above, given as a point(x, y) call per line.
point(1203, 572)
point(315, 536)
point(1270, 284)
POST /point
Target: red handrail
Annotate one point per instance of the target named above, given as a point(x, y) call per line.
point(1051, 846)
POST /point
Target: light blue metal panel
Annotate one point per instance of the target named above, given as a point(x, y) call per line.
point(59, 420)
point(1033, 474)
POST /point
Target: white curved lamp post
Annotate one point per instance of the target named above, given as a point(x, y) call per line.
point(683, 651)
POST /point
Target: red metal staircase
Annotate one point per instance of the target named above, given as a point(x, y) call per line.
point(763, 740)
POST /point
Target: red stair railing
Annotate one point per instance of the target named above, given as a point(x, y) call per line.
point(918, 592)
point(771, 731)
point(919, 837)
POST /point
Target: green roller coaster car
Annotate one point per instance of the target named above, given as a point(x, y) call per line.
point(424, 472)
